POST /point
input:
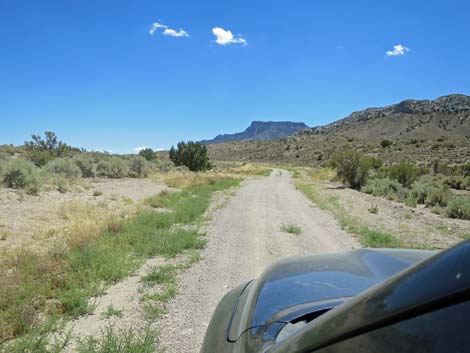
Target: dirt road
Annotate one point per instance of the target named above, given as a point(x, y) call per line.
point(244, 237)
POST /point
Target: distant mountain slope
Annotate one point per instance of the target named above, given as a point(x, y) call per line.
point(420, 130)
point(261, 131)
point(447, 116)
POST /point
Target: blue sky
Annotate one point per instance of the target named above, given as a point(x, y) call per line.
point(91, 71)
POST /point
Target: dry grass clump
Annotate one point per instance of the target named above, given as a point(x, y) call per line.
point(247, 169)
point(186, 179)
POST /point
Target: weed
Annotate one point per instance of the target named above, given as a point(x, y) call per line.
point(94, 255)
point(97, 193)
point(160, 275)
point(374, 209)
point(111, 311)
point(291, 228)
point(169, 291)
point(120, 342)
point(368, 237)
point(152, 311)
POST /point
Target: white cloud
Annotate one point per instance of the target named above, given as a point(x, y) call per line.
point(398, 50)
point(156, 26)
point(138, 149)
point(174, 33)
point(167, 31)
point(226, 37)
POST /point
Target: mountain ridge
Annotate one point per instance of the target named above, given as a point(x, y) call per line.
point(444, 116)
point(260, 131)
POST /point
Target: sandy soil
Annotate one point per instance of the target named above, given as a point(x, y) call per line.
point(244, 238)
point(24, 218)
point(414, 226)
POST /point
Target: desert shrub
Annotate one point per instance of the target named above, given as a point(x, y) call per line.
point(373, 163)
point(20, 173)
point(148, 154)
point(138, 167)
point(437, 196)
point(455, 182)
point(87, 165)
point(385, 143)
point(465, 170)
point(466, 183)
point(438, 167)
point(458, 207)
point(352, 167)
point(41, 150)
point(113, 167)
point(388, 188)
point(428, 191)
point(405, 173)
point(192, 155)
point(65, 167)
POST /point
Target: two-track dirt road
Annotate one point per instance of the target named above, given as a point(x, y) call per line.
point(244, 237)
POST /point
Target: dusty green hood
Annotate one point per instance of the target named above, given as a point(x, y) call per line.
point(295, 287)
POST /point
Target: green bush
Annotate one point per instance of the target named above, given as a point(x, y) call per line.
point(405, 173)
point(87, 165)
point(458, 207)
point(192, 155)
point(138, 167)
point(114, 167)
point(466, 183)
point(42, 150)
point(383, 187)
point(428, 191)
point(352, 167)
point(64, 167)
point(385, 143)
point(148, 154)
point(19, 173)
point(454, 182)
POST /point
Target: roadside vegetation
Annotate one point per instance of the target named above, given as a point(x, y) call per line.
point(432, 185)
point(121, 342)
point(47, 162)
point(373, 238)
point(192, 155)
point(291, 228)
point(39, 289)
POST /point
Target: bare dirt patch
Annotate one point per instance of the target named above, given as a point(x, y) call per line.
point(414, 226)
point(31, 220)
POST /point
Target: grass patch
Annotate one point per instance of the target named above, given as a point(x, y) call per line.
point(112, 311)
point(36, 286)
point(160, 275)
point(121, 342)
point(291, 228)
point(169, 292)
point(153, 311)
point(368, 237)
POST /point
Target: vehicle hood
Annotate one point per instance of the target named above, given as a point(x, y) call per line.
point(297, 285)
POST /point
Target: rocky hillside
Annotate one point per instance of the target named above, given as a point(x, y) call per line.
point(261, 131)
point(422, 131)
point(447, 116)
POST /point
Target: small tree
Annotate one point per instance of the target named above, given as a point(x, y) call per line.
point(192, 155)
point(41, 150)
point(352, 167)
point(405, 173)
point(148, 154)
